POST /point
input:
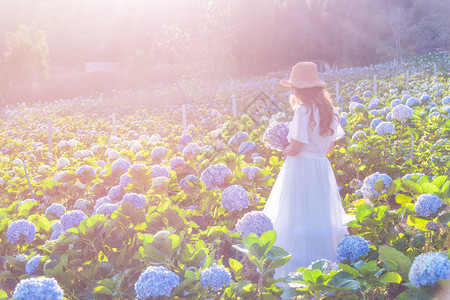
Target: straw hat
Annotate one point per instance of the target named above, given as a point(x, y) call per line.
point(303, 75)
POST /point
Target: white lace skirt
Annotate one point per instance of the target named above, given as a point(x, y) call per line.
point(306, 210)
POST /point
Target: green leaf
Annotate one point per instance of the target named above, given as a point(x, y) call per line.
point(402, 198)
point(3, 294)
point(429, 188)
point(412, 294)
point(379, 185)
point(395, 260)
point(237, 268)
point(363, 211)
point(417, 222)
point(391, 277)
point(439, 180)
point(444, 218)
point(268, 239)
point(254, 245)
point(102, 290)
point(273, 161)
point(352, 271)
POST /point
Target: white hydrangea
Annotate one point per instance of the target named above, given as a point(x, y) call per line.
point(401, 112)
point(62, 162)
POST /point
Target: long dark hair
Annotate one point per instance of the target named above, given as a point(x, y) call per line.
point(321, 99)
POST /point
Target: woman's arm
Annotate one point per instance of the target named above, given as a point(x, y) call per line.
point(331, 147)
point(293, 148)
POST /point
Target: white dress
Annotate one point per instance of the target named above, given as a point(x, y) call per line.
point(304, 204)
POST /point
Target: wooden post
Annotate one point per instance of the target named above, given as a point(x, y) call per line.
point(50, 139)
point(407, 81)
point(375, 85)
point(435, 72)
point(234, 107)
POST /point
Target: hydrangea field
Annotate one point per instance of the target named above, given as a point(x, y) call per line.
point(108, 198)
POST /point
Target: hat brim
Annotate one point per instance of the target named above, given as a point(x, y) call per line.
point(303, 85)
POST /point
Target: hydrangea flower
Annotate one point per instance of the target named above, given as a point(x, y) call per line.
point(215, 277)
point(32, 264)
point(375, 122)
point(159, 153)
point(408, 176)
point(124, 180)
point(106, 208)
point(38, 289)
point(138, 200)
point(427, 204)
point(192, 149)
point(275, 136)
point(434, 114)
point(57, 230)
point(72, 218)
point(367, 94)
point(56, 208)
point(355, 106)
point(21, 228)
point(352, 247)
point(355, 98)
point(412, 102)
point(185, 138)
point(155, 281)
point(425, 98)
point(115, 193)
point(396, 102)
point(62, 162)
point(254, 222)
point(235, 197)
point(356, 184)
point(358, 135)
point(86, 171)
point(368, 188)
point(446, 100)
point(120, 165)
point(189, 178)
point(238, 138)
point(374, 103)
point(401, 112)
point(327, 264)
point(177, 162)
point(101, 201)
point(343, 121)
point(246, 146)
point(158, 171)
point(251, 171)
point(428, 268)
point(385, 128)
point(214, 175)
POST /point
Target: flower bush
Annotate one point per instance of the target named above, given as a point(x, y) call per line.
point(155, 281)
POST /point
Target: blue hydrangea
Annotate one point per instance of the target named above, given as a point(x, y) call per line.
point(115, 193)
point(251, 171)
point(72, 218)
point(21, 228)
point(412, 102)
point(446, 100)
point(405, 97)
point(155, 281)
point(375, 122)
point(434, 114)
point(86, 171)
point(177, 162)
point(214, 175)
point(396, 102)
point(235, 197)
point(355, 106)
point(343, 121)
point(125, 180)
point(238, 138)
point(56, 208)
point(246, 146)
point(120, 165)
point(385, 128)
point(189, 178)
point(425, 98)
point(254, 222)
point(159, 153)
point(408, 176)
point(401, 112)
point(158, 171)
point(185, 138)
point(358, 135)
point(32, 264)
point(100, 201)
point(368, 188)
point(138, 200)
point(355, 98)
point(106, 208)
point(352, 247)
point(428, 268)
point(192, 149)
point(374, 103)
point(38, 289)
point(427, 204)
point(57, 230)
point(367, 94)
point(215, 277)
point(275, 136)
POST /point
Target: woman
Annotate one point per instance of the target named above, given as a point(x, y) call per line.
point(304, 204)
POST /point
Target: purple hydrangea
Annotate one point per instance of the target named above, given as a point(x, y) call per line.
point(235, 197)
point(275, 135)
point(246, 147)
point(115, 193)
point(254, 222)
point(427, 205)
point(38, 289)
point(106, 208)
point(375, 122)
point(368, 188)
point(215, 277)
point(56, 208)
point(21, 228)
point(189, 178)
point(251, 171)
point(401, 112)
point(72, 218)
point(374, 103)
point(385, 128)
point(192, 149)
point(120, 165)
point(177, 162)
point(125, 180)
point(185, 138)
point(428, 268)
point(355, 98)
point(352, 247)
point(138, 200)
point(343, 121)
point(57, 230)
point(367, 94)
point(358, 135)
point(158, 171)
point(214, 175)
point(155, 281)
point(101, 201)
point(32, 264)
point(159, 153)
point(86, 171)
point(238, 138)
point(412, 101)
